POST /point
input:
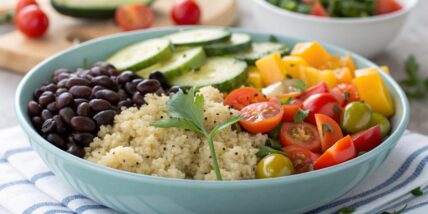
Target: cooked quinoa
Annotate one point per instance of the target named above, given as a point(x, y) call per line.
point(133, 145)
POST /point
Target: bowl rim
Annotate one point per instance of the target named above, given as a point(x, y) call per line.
point(204, 184)
point(335, 20)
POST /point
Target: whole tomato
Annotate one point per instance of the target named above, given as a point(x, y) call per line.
point(32, 21)
point(24, 3)
point(134, 17)
point(186, 12)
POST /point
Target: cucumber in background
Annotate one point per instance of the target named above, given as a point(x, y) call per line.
point(261, 49)
point(199, 37)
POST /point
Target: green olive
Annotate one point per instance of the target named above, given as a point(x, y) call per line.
point(356, 117)
point(385, 125)
point(274, 165)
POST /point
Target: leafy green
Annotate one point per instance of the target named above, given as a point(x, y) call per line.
point(286, 100)
point(326, 128)
point(347, 95)
point(273, 38)
point(274, 134)
point(417, 192)
point(274, 144)
point(265, 150)
point(346, 210)
point(361, 153)
point(7, 17)
point(415, 86)
point(186, 112)
point(396, 211)
point(299, 84)
point(336, 109)
point(300, 115)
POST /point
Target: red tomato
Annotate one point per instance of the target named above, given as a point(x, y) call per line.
point(345, 93)
point(24, 3)
point(301, 158)
point(31, 21)
point(241, 97)
point(300, 134)
point(289, 111)
point(330, 132)
point(321, 104)
point(343, 150)
point(186, 12)
point(368, 139)
point(318, 10)
point(315, 89)
point(261, 117)
point(387, 6)
point(134, 17)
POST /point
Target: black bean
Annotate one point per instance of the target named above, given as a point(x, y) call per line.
point(50, 87)
point(104, 65)
point(37, 93)
point(75, 150)
point(83, 109)
point(64, 100)
point(34, 108)
point(113, 71)
point(159, 77)
point(66, 114)
point(148, 86)
point(103, 81)
point(138, 98)
point(61, 71)
point(37, 122)
point(122, 94)
point(78, 101)
point(174, 89)
point(104, 117)
point(96, 88)
point(125, 77)
point(97, 71)
point(46, 114)
point(82, 138)
point(108, 95)
point(159, 92)
point(83, 124)
point(125, 103)
point(59, 91)
point(137, 80)
point(130, 88)
point(60, 126)
point(52, 107)
point(81, 91)
point(56, 140)
point(62, 76)
point(99, 105)
point(46, 98)
point(48, 126)
point(77, 81)
point(62, 83)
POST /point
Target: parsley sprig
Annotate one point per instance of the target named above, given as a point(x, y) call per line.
point(414, 85)
point(186, 112)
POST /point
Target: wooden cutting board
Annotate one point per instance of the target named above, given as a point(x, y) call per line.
point(20, 54)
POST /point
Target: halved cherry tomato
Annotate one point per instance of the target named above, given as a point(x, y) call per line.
point(345, 93)
point(300, 134)
point(301, 158)
point(315, 89)
point(186, 12)
point(24, 3)
point(387, 6)
point(134, 17)
point(318, 10)
point(32, 21)
point(261, 117)
point(290, 111)
point(330, 132)
point(368, 139)
point(241, 97)
point(343, 150)
point(322, 104)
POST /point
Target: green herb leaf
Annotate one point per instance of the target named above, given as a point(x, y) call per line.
point(274, 134)
point(7, 17)
point(396, 211)
point(361, 153)
point(286, 100)
point(300, 115)
point(347, 95)
point(414, 85)
point(326, 128)
point(299, 84)
point(417, 192)
point(229, 122)
point(336, 109)
point(265, 150)
point(85, 63)
point(273, 144)
point(346, 210)
point(273, 38)
point(176, 123)
point(311, 167)
point(250, 84)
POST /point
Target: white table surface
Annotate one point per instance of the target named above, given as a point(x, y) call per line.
point(412, 40)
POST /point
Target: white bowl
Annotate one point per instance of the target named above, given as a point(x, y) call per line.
point(367, 36)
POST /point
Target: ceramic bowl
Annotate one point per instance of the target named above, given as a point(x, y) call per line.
point(365, 36)
point(135, 193)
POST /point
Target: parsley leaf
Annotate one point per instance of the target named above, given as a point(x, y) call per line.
point(326, 128)
point(336, 109)
point(361, 153)
point(299, 84)
point(311, 167)
point(347, 95)
point(273, 38)
point(414, 85)
point(273, 144)
point(286, 100)
point(396, 211)
point(346, 210)
point(300, 115)
point(417, 192)
point(274, 134)
point(265, 150)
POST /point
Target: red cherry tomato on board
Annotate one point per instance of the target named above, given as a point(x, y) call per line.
point(301, 158)
point(300, 134)
point(261, 117)
point(186, 12)
point(241, 97)
point(343, 150)
point(387, 6)
point(315, 89)
point(368, 139)
point(134, 17)
point(31, 21)
point(24, 3)
point(318, 10)
point(321, 104)
point(330, 132)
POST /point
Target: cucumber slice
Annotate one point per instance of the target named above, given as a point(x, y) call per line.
point(238, 42)
point(224, 73)
point(199, 37)
point(261, 49)
point(93, 9)
point(141, 55)
point(180, 62)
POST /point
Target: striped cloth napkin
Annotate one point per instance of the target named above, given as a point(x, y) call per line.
point(27, 186)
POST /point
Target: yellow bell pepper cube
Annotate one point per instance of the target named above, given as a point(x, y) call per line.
point(373, 91)
point(312, 52)
point(271, 68)
point(311, 76)
point(343, 75)
point(255, 77)
point(385, 69)
point(348, 62)
point(329, 77)
point(293, 64)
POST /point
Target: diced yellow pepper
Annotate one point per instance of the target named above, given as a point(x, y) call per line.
point(312, 76)
point(348, 62)
point(385, 69)
point(333, 63)
point(329, 78)
point(255, 77)
point(312, 52)
point(373, 91)
point(343, 75)
point(292, 65)
point(271, 68)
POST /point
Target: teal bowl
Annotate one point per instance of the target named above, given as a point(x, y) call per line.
point(135, 193)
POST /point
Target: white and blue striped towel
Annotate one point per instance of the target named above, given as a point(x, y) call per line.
point(27, 185)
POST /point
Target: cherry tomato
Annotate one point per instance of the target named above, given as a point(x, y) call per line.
point(343, 150)
point(368, 139)
point(300, 134)
point(322, 104)
point(345, 93)
point(274, 165)
point(261, 117)
point(318, 10)
point(241, 97)
point(186, 12)
point(301, 158)
point(134, 17)
point(387, 6)
point(289, 111)
point(24, 3)
point(315, 89)
point(31, 21)
point(330, 132)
